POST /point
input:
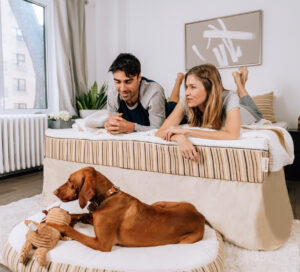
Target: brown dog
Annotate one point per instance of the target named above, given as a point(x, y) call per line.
point(121, 219)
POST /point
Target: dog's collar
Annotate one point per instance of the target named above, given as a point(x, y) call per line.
point(95, 203)
point(113, 190)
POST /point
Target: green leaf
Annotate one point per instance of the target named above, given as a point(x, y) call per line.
point(88, 100)
point(79, 105)
point(93, 99)
point(102, 99)
point(97, 104)
point(103, 88)
point(103, 103)
point(93, 94)
point(84, 104)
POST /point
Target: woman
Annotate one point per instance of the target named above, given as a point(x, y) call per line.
point(208, 105)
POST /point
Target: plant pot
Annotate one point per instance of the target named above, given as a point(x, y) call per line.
point(60, 124)
point(85, 113)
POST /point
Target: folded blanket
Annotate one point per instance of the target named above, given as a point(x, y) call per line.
point(280, 142)
point(91, 123)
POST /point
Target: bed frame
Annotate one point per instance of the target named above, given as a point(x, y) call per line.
point(249, 206)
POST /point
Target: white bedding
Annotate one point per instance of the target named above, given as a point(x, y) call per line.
point(282, 124)
point(148, 136)
point(258, 136)
point(280, 143)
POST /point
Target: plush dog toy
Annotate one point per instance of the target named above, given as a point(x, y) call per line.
point(42, 236)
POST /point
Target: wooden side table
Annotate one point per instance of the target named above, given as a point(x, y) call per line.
point(292, 172)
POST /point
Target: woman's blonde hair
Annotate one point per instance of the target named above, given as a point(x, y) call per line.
point(210, 77)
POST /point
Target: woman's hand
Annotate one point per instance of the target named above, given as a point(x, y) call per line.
point(187, 149)
point(171, 131)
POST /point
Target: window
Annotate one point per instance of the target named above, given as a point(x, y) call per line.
point(27, 43)
point(19, 35)
point(20, 84)
point(20, 106)
point(20, 59)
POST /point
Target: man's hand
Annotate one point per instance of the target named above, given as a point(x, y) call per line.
point(115, 124)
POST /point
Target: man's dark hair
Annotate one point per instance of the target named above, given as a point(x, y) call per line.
point(127, 63)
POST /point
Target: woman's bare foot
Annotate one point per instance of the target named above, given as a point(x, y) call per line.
point(176, 89)
point(180, 77)
point(240, 78)
point(244, 75)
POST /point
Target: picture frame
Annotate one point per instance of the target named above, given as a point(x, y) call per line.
point(228, 41)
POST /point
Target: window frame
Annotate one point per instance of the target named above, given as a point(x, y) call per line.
point(20, 59)
point(20, 104)
point(19, 82)
point(47, 24)
point(19, 37)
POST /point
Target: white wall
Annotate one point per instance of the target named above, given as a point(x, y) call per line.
point(105, 35)
point(153, 30)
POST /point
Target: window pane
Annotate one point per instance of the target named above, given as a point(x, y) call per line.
point(20, 106)
point(23, 55)
point(20, 59)
point(20, 84)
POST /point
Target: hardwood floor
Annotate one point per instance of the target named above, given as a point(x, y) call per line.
point(3, 268)
point(30, 184)
point(20, 186)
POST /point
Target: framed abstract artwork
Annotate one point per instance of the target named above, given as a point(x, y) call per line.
point(224, 41)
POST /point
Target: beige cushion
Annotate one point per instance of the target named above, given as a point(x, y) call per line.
point(205, 255)
point(265, 103)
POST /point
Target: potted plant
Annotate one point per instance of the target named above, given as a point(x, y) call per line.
point(93, 101)
point(62, 119)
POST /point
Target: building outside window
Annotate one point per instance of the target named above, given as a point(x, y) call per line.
point(20, 59)
point(19, 35)
point(20, 106)
point(20, 84)
point(27, 20)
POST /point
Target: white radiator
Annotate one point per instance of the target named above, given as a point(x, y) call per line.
point(21, 141)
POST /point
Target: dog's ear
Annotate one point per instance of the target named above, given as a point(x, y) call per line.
point(87, 191)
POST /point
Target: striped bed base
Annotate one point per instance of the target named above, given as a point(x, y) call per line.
point(231, 164)
point(10, 256)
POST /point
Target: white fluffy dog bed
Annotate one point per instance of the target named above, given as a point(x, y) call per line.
point(205, 255)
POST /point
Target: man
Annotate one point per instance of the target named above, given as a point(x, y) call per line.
point(137, 104)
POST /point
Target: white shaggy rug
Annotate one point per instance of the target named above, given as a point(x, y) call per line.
point(285, 259)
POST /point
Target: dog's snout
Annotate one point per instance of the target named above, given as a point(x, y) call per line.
point(55, 192)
